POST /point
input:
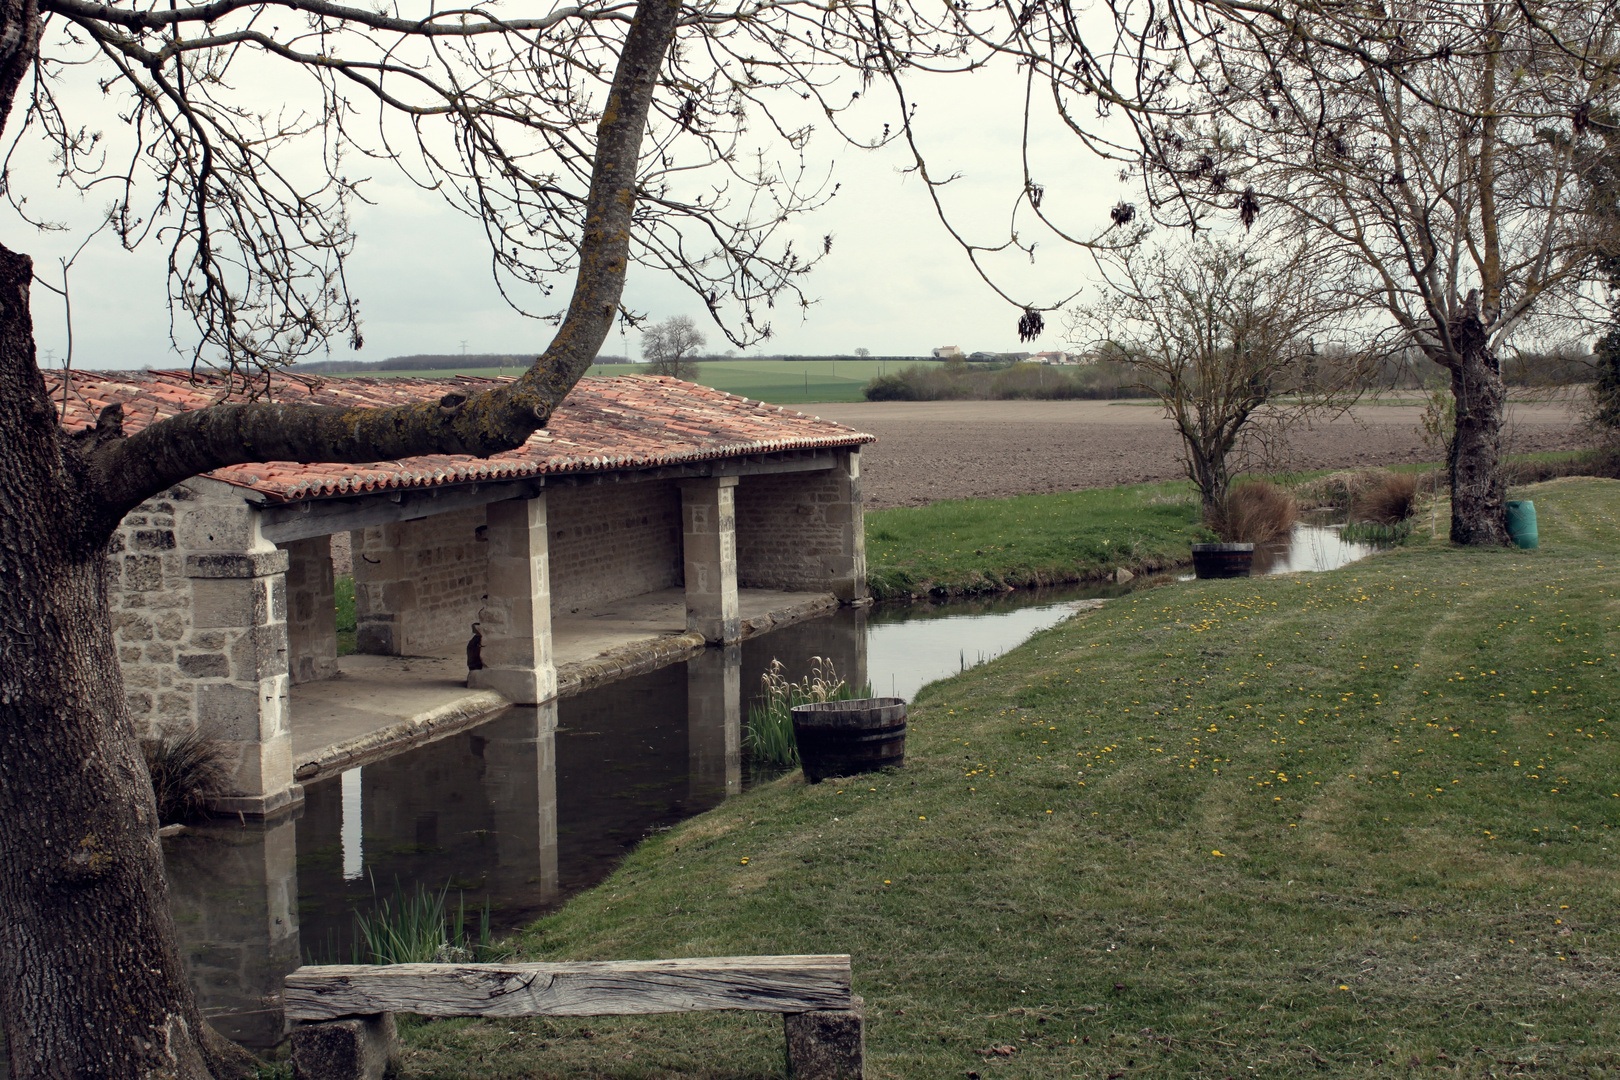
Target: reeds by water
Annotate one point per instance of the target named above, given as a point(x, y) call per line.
point(769, 734)
point(416, 926)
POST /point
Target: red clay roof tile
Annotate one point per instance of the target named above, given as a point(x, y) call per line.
point(606, 424)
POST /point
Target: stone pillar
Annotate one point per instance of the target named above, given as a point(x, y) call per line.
point(520, 780)
point(846, 569)
point(311, 619)
point(714, 724)
point(516, 617)
point(709, 549)
point(242, 688)
point(382, 588)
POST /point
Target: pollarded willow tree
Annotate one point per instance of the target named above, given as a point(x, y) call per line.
point(584, 139)
point(1435, 151)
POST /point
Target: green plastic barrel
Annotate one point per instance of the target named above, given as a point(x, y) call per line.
point(1521, 522)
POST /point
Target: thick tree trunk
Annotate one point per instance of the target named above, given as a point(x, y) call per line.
point(1478, 493)
point(91, 983)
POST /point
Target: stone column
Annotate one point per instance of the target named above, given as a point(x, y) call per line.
point(846, 570)
point(709, 549)
point(516, 617)
point(714, 724)
point(520, 780)
point(311, 620)
point(242, 687)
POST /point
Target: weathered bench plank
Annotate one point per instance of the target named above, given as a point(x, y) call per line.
point(783, 984)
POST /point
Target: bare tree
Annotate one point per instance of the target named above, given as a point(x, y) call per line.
point(1225, 338)
point(1436, 149)
point(583, 140)
point(669, 347)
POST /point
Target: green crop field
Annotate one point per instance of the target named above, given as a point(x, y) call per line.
point(780, 382)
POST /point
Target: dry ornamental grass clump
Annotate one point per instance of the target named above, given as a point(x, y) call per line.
point(1377, 495)
point(1255, 512)
point(1388, 498)
point(187, 773)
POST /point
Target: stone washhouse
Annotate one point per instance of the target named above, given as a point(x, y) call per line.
point(650, 519)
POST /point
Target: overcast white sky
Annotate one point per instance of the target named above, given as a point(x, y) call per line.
point(894, 282)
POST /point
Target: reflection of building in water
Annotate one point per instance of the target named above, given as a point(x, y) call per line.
point(474, 814)
point(233, 891)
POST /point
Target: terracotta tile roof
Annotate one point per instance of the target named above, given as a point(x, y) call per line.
point(606, 424)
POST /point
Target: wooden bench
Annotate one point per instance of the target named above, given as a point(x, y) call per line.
point(342, 1016)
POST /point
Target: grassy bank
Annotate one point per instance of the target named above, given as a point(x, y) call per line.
point(1357, 824)
point(965, 546)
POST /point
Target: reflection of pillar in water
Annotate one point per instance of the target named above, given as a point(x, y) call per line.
point(520, 778)
point(234, 893)
point(852, 631)
point(714, 723)
point(352, 835)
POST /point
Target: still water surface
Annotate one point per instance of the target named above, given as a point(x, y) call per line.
point(538, 804)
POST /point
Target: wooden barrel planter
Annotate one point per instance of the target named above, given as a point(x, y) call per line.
point(844, 738)
point(1222, 560)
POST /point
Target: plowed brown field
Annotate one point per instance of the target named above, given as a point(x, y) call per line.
point(930, 450)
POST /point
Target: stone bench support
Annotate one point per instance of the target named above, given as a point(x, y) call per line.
point(342, 1015)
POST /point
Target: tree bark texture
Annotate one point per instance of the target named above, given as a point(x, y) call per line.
point(91, 980)
point(1478, 490)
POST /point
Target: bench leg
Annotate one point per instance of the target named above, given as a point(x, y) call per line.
point(356, 1048)
point(827, 1045)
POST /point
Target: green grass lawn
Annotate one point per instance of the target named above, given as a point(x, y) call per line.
point(1355, 824)
point(981, 545)
point(780, 382)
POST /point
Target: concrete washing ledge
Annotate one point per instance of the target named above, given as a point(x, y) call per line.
point(379, 706)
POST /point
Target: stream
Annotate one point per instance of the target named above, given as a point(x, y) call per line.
point(538, 804)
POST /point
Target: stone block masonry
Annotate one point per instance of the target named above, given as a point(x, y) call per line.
point(419, 585)
point(709, 551)
point(199, 605)
point(804, 531)
point(515, 619)
point(311, 626)
point(610, 541)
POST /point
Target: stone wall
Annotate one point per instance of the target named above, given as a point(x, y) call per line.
point(418, 585)
point(311, 618)
point(803, 531)
point(199, 609)
point(610, 541)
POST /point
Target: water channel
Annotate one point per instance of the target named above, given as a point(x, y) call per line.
point(538, 804)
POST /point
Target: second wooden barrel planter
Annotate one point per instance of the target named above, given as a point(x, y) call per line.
point(844, 738)
point(1222, 560)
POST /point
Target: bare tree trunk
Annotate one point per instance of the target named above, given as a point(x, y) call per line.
point(91, 983)
point(1478, 492)
point(91, 980)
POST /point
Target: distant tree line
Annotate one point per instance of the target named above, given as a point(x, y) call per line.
point(519, 361)
point(958, 380)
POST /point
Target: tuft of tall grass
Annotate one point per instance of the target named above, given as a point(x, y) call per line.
point(769, 735)
point(416, 926)
point(1255, 512)
point(1388, 499)
point(187, 774)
